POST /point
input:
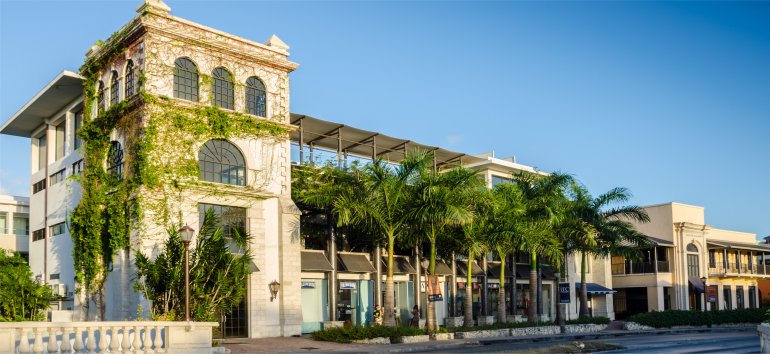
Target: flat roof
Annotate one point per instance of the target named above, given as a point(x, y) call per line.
point(333, 136)
point(63, 89)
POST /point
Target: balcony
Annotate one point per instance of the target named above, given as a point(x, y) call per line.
point(640, 268)
point(734, 269)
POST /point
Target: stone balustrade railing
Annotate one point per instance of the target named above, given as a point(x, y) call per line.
point(107, 337)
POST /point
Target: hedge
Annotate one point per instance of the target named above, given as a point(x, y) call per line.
point(347, 334)
point(667, 319)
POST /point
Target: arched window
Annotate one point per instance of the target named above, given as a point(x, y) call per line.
point(100, 97)
point(222, 88)
point(256, 100)
point(115, 160)
point(185, 79)
point(222, 162)
point(692, 248)
point(114, 88)
point(130, 79)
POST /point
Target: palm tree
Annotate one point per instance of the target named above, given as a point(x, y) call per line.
point(542, 195)
point(440, 200)
point(507, 220)
point(474, 243)
point(600, 228)
point(380, 204)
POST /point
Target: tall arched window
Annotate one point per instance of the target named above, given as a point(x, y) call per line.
point(692, 248)
point(256, 100)
point(222, 162)
point(114, 88)
point(115, 160)
point(222, 88)
point(100, 97)
point(185, 79)
point(130, 79)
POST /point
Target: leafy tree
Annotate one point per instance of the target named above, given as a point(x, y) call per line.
point(439, 201)
point(600, 227)
point(219, 268)
point(380, 205)
point(21, 298)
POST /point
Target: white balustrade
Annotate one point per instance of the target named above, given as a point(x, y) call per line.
point(107, 337)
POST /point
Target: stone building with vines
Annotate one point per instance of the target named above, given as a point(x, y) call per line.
point(165, 120)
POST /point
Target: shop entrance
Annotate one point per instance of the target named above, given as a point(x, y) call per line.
point(233, 323)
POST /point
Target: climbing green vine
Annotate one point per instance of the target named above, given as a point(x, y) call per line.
point(160, 137)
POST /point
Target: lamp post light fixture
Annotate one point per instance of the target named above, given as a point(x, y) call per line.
point(424, 263)
point(274, 287)
point(186, 233)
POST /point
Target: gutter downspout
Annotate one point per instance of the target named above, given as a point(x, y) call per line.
point(45, 207)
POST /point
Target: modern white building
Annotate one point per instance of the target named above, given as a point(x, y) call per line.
point(14, 224)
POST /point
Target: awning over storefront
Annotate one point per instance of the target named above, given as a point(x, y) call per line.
point(737, 246)
point(355, 263)
point(313, 260)
point(401, 265)
point(596, 289)
point(462, 269)
point(442, 268)
point(700, 288)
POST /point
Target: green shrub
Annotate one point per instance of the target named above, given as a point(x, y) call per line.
point(667, 319)
point(348, 334)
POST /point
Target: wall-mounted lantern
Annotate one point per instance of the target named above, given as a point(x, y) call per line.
point(274, 287)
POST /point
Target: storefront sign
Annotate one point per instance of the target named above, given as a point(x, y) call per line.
point(308, 285)
point(711, 293)
point(493, 286)
point(564, 293)
point(347, 285)
point(434, 290)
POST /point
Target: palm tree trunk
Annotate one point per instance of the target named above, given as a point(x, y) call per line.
point(533, 300)
point(513, 285)
point(388, 318)
point(431, 310)
point(468, 303)
point(583, 287)
point(501, 313)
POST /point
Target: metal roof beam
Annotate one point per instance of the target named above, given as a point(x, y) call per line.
point(329, 134)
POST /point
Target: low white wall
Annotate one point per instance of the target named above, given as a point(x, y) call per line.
point(55, 337)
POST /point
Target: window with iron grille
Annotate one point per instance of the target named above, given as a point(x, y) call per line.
point(115, 160)
point(229, 217)
point(38, 235)
point(77, 167)
point(185, 79)
point(221, 162)
point(129, 79)
point(114, 88)
point(38, 186)
point(222, 88)
point(57, 177)
point(100, 98)
point(256, 99)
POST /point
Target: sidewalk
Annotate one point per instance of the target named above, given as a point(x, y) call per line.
point(306, 345)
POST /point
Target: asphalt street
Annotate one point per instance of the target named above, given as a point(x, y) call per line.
point(723, 342)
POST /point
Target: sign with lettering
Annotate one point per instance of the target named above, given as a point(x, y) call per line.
point(711, 293)
point(564, 293)
point(347, 285)
point(308, 285)
point(434, 290)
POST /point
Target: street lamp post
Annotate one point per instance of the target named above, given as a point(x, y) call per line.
point(705, 293)
point(186, 233)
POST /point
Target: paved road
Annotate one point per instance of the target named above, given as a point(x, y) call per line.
point(724, 342)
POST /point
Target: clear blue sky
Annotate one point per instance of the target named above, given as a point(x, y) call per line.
point(670, 99)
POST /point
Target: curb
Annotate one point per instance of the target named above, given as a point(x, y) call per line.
point(619, 333)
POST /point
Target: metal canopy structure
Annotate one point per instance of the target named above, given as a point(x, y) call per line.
point(346, 140)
